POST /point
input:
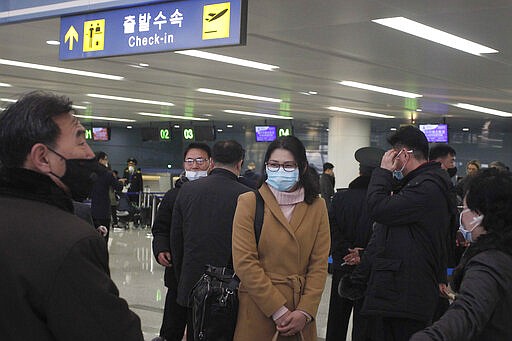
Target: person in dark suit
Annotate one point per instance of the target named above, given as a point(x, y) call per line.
point(351, 228)
point(133, 176)
point(196, 162)
point(202, 221)
point(55, 276)
point(100, 194)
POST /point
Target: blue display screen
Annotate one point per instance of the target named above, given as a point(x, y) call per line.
point(435, 132)
point(265, 133)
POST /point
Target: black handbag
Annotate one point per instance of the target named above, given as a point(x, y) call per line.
point(214, 298)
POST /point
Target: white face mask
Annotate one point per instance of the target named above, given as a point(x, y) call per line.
point(131, 169)
point(466, 231)
point(194, 175)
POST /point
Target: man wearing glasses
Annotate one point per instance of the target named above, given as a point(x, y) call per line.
point(196, 163)
point(203, 220)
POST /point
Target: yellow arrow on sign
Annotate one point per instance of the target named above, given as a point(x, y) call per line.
point(71, 35)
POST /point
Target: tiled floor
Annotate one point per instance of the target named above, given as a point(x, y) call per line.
point(140, 280)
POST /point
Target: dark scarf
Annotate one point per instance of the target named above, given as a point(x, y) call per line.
point(26, 184)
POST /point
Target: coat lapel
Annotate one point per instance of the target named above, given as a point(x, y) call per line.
point(299, 212)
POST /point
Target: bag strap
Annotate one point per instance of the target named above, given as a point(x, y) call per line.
point(258, 216)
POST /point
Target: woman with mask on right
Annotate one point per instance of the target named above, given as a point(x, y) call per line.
point(483, 280)
point(283, 275)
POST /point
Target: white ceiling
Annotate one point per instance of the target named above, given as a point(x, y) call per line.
point(315, 44)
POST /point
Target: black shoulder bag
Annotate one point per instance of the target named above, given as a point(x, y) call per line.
point(214, 298)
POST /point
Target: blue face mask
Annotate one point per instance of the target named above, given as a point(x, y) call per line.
point(399, 174)
point(282, 180)
point(474, 223)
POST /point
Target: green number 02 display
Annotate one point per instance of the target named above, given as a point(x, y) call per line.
point(165, 134)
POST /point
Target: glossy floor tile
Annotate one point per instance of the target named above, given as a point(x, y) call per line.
point(140, 280)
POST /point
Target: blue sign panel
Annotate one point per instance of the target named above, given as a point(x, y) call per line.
point(170, 26)
point(22, 10)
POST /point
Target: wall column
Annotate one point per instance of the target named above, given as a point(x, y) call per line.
point(346, 135)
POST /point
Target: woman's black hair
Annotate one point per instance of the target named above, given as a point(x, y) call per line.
point(308, 178)
point(490, 193)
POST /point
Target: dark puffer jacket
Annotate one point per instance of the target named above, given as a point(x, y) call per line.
point(410, 241)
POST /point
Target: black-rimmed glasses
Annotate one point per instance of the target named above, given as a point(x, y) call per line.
point(274, 166)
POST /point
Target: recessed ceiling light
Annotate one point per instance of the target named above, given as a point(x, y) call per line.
point(104, 118)
point(304, 93)
point(248, 113)
point(143, 64)
point(380, 89)
point(229, 60)
point(313, 92)
point(186, 118)
point(483, 109)
point(359, 112)
point(220, 130)
point(229, 126)
point(133, 100)
point(236, 94)
point(392, 129)
point(326, 129)
point(53, 42)
point(81, 107)
point(465, 129)
point(419, 110)
point(177, 126)
point(129, 127)
point(59, 69)
point(5, 85)
point(8, 100)
point(435, 35)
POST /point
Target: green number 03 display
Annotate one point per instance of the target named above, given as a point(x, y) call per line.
point(188, 134)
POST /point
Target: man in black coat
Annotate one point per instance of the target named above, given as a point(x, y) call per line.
point(55, 279)
point(351, 229)
point(196, 162)
point(202, 221)
point(133, 176)
point(410, 236)
point(100, 194)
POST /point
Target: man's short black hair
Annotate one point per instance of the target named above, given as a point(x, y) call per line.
point(132, 159)
point(30, 121)
point(227, 152)
point(328, 165)
point(440, 150)
point(412, 138)
point(198, 145)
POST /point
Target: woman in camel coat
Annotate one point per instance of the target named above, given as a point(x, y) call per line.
point(282, 278)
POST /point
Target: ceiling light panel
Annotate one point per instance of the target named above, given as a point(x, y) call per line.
point(429, 33)
point(239, 95)
point(172, 116)
point(5, 85)
point(59, 69)
point(133, 100)
point(104, 118)
point(359, 112)
point(380, 89)
point(483, 109)
point(229, 60)
point(248, 113)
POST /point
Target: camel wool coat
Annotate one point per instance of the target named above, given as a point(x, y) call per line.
point(288, 267)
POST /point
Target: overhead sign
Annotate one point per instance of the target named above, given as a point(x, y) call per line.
point(22, 10)
point(169, 26)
